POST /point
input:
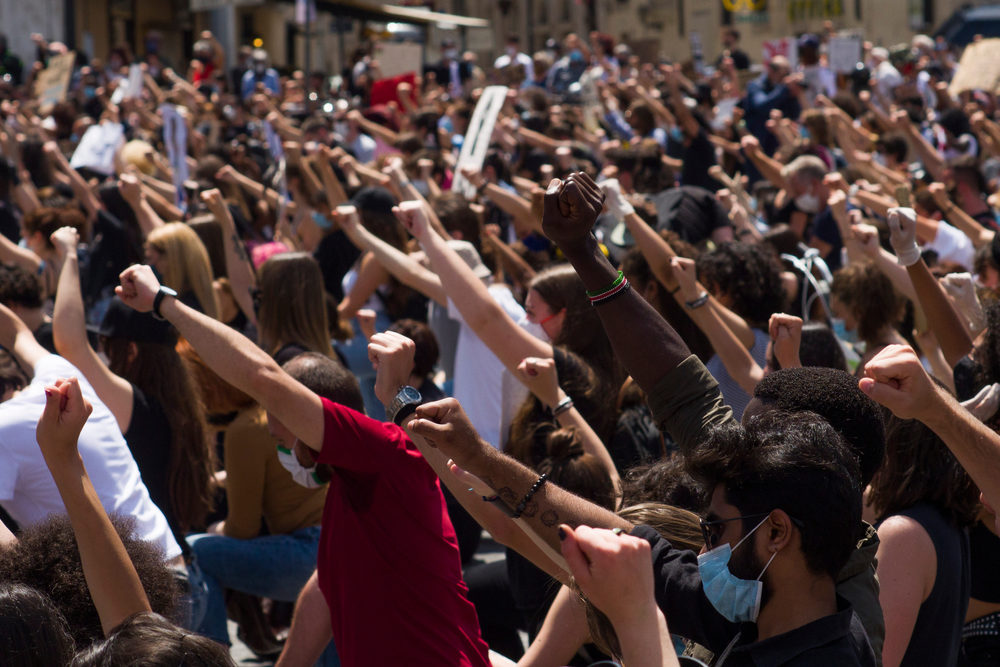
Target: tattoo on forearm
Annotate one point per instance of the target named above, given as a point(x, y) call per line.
point(530, 510)
point(508, 496)
point(241, 251)
point(549, 518)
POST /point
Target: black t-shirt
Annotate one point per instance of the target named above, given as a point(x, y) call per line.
point(698, 156)
point(690, 211)
point(150, 439)
point(824, 227)
point(114, 249)
point(336, 255)
point(637, 440)
point(984, 555)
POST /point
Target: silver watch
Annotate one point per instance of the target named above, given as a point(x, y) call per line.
point(403, 405)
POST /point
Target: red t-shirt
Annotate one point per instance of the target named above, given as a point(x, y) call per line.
point(388, 557)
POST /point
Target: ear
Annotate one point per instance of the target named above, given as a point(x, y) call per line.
point(133, 351)
point(779, 529)
point(650, 289)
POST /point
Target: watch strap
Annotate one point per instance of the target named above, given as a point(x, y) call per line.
point(403, 412)
point(158, 300)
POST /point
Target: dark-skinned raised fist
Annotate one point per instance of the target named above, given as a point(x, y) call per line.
point(570, 210)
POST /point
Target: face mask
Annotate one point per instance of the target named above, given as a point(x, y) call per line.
point(736, 599)
point(511, 51)
point(841, 332)
point(89, 92)
point(534, 328)
point(576, 55)
point(677, 135)
point(341, 128)
point(321, 220)
point(451, 54)
point(303, 476)
point(259, 68)
point(807, 203)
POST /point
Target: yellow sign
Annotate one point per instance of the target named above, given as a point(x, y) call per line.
point(800, 10)
point(745, 5)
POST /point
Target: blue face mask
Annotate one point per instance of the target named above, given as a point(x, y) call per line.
point(736, 599)
point(841, 332)
point(576, 55)
point(321, 220)
point(677, 135)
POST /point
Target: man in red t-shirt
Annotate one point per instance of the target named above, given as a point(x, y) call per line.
point(388, 561)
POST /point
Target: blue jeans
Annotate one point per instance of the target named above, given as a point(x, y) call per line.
point(273, 566)
point(355, 351)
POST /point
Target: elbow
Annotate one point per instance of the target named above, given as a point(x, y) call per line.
point(264, 381)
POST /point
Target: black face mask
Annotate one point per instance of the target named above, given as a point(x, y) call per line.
point(203, 58)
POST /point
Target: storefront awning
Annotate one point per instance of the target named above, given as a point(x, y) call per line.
point(379, 11)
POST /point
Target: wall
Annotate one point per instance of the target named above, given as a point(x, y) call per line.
point(20, 18)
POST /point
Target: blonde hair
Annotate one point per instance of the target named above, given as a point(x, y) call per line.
point(292, 304)
point(188, 268)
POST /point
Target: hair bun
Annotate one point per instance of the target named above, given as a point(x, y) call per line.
point(564, 443)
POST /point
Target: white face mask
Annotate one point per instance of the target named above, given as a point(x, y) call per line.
point(303, 476)
point(807, 203)
point(533, 328)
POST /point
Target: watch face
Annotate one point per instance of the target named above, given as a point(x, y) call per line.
point(408, 395)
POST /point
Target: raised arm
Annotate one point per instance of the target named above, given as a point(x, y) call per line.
point(734, 355)
point(111, 578)
point(403, 267)
point(978, 234)
point(136, 198)
point(236, 359)
point(16, 338)
point(370, 276)
point(69, 333)
point(951, 332)
point(239, 268)
point(80, 188)
point(509, 342)
point(571, 207)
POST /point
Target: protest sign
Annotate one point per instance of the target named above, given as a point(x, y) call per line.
point(175, 138)
point(477, 138)
point(130, 88)
point(52, 82)
point(844, 53)
point(786, 46)
point(979, 68)
point(97, 148)
point(395, 58)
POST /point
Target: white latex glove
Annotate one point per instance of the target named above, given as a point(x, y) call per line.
point(903, 235)
point(962, 290)
point(617, 205)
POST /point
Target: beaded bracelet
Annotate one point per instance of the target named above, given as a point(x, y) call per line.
point(598, 293)
point(612, 295)
point(527, 497)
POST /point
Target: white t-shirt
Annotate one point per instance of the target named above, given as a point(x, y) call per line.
point(479, 373)
point(952, 245)
point(27, 490)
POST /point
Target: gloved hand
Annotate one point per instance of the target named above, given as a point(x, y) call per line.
point(962, 290)
point(903, 235)
point(617, 205)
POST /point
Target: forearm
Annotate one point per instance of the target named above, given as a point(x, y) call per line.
point(767, 166)
point(654, 248)
point(645, 641)
point(513, 264)
point(975, 445)
point(734, 356)
point(310, 632)
point(897, 275)
point(562, 633)
point(518, 208)
point(548, 507)
point(400, 265)
point(15, 254)
point(734, 323)
point(161, 188)
point(239, 269)
point(977, 233)
point(928, 154)
point(145, 215)
point(629, 322)
point(111, 578)
point(947, 325)
point(335, 195)
point(162, 207)
point(69, 322)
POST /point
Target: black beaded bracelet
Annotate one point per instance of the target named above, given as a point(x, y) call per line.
point(527, 497)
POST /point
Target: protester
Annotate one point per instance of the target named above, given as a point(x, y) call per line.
point(714, 236)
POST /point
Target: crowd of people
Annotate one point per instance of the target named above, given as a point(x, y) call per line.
point(711, 350)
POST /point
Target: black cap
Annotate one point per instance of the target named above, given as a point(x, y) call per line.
point(120, 321)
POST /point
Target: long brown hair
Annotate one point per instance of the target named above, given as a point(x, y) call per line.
point(919, 467)
point(159, 372)
point(292, 305)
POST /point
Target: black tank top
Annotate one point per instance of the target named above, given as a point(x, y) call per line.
point(937, 633)
point(984, 550)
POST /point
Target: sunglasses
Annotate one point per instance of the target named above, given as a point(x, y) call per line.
point(711, 531)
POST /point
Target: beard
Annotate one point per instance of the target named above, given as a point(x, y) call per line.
point(745, 564)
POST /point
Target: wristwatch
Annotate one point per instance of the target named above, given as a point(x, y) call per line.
point(158, 299)
point(403, 405)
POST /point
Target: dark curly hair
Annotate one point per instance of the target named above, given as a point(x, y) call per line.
point(919, 467)
point(793, 461)
point(833, 395)
point(576, 471)
point(665, 481)
point(47, 559)
point(870, 296)
point(750, 275)
point(987, 354)
point(19, 287)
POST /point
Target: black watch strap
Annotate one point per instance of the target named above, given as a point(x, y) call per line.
point(405, 411)
point(158, 300)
